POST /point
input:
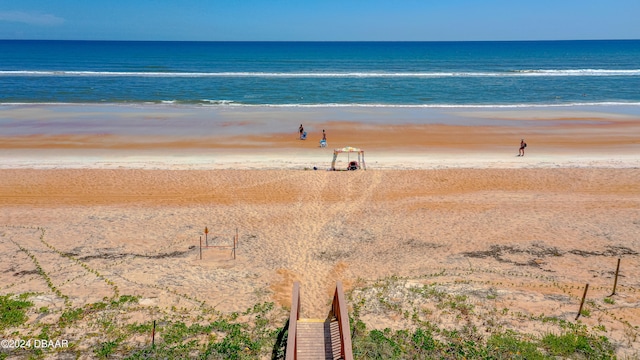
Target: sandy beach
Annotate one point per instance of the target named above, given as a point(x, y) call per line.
point(182, 137)
point(436, 198)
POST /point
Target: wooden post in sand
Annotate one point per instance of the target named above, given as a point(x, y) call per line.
point(235, 244)
point(615, 281)
point(206, 238)
point(582, 302)
point(200, 247)
point(153, 335)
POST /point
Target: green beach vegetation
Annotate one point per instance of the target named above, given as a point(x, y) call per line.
point(426, 322)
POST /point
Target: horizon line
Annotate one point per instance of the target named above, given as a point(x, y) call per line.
point(321, 41)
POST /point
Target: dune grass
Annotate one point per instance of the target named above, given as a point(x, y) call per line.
point(107, 329)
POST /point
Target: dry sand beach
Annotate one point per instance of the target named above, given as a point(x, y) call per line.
point(440, 203)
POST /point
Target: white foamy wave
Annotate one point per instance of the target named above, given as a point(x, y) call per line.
point(513, 73)
point(469, 106)
point(224, 103)
point(217, 102)
point(579, 72)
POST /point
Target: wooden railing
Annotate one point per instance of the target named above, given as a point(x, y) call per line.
point(339, 309)
point(294, 315)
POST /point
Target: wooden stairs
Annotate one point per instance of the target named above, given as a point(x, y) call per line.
point(328, 338)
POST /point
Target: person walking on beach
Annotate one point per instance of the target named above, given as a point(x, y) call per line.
point(323, 142)
point(522, 146)
point(301, 130)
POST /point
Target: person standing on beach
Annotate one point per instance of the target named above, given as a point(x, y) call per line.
point(324, 136)
point(301, 130)
point(522, 146)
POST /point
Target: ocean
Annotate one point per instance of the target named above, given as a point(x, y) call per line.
point(333, 74)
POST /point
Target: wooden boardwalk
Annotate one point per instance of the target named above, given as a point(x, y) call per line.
point(319, 339)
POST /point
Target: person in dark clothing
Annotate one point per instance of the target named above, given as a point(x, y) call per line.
point(522, 146)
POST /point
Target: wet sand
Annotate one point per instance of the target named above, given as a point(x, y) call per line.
point(102, 136)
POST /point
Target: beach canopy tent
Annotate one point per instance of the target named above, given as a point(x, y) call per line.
point(353, 165)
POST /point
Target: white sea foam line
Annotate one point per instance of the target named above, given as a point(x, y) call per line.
point(464, 106)
point(514, 73)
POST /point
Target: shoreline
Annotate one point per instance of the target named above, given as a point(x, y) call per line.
point(177, 137)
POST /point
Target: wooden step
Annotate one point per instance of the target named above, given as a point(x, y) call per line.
point(318, 339)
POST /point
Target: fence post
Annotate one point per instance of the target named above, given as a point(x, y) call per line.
point(153, 335)
point(582, 302)
point(615, 281)
point(200, 247)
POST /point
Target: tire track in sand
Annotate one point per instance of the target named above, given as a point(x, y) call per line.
point(333, 199)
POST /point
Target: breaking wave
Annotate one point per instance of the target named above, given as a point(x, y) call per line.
point(372, 74)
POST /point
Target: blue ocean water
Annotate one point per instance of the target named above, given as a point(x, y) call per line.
point(421, 74)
